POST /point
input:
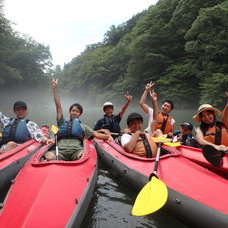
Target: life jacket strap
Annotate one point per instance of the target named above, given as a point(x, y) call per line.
point(147, 146)
point(218, 134)
point(164, 123)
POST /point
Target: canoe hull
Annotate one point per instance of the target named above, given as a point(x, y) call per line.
point(12, 161)
point(183, 206)
point(51, 194)
point(196, 155)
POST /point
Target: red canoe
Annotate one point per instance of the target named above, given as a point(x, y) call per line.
point(12, 161)
point(51, 194)
point(197, 196)
point(196, 155)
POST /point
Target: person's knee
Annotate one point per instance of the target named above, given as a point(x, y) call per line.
point(49, 156)
point(10, 145)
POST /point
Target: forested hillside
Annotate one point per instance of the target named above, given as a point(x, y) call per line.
point(182, 45)
point(23, 61)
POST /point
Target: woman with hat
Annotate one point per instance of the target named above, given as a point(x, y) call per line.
point(212, 132)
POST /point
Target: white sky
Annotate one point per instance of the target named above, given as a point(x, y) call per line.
point(67, 26)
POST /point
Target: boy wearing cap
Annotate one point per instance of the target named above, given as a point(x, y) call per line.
point(19, 130)
point(138, 142)
point(184, 135)
point(212, 132)
point(110, 121)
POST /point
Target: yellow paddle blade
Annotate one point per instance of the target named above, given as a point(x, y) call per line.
point(172, 144)
point(0, 134)
point(162, 138)
point(151, 198)
point(54, 129)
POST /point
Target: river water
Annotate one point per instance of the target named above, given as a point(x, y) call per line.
point(112, 201)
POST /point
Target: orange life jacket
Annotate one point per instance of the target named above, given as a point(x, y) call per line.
point(168, 126)
point(140, 148)
point(210, 135)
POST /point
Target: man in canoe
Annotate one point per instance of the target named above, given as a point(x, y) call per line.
point(212, 132)
point(165, 122)
point(20, 129)
point(71, 131)
point(136, 141)
point(110, 121)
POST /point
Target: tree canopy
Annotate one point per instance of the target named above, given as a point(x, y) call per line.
point(181, 45)
point(23, 61)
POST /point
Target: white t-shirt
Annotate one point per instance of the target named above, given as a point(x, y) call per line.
point(125, 138)
point(150, 116)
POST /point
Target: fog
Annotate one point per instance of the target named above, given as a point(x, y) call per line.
point(41, 107)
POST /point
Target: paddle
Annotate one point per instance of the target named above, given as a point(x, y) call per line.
point(54, 129)
point(213, 156)
point(153, 195)
point(166, 141)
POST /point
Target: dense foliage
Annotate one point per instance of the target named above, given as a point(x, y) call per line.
point(182, 45)
point(23, 61)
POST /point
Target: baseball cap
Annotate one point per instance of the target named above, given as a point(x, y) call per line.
point(132, 116)
point(107, 104)
point(19, 104)
point(188, 125)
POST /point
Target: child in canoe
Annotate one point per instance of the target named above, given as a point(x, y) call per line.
point(19, 129)
point(71, 131)
point(109, 120)
point(136, 141)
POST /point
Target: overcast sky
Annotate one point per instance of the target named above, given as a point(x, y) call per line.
point(68, 26)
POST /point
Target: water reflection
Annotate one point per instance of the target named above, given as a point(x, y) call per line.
point(111, 207)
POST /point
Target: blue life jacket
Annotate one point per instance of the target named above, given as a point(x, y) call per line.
point(110, 123)
point(71, 128)
point(16, 131)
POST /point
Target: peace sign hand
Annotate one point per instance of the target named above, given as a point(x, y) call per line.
point(128, 96)
point(149, 85)
point(54, 83)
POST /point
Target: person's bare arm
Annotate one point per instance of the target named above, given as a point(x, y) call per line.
point(153, 123)
point(225, 113)
point(142, 102)
point(59, 111)
point(130, 146)
point(124, 108)
point(102, 134)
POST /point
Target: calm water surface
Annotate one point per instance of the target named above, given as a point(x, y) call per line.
point(112, 201)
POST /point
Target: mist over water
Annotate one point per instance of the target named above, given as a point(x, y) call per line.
point(42, 110)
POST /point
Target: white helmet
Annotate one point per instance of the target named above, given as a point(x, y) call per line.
point(107, 104)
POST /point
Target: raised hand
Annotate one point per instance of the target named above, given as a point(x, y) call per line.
point(54, 83)
point(149, 85)
point(128, 96)
point(153, 95)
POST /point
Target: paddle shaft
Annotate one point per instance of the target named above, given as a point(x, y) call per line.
point(112, 133)
point(157, 159)
point(56, 147)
